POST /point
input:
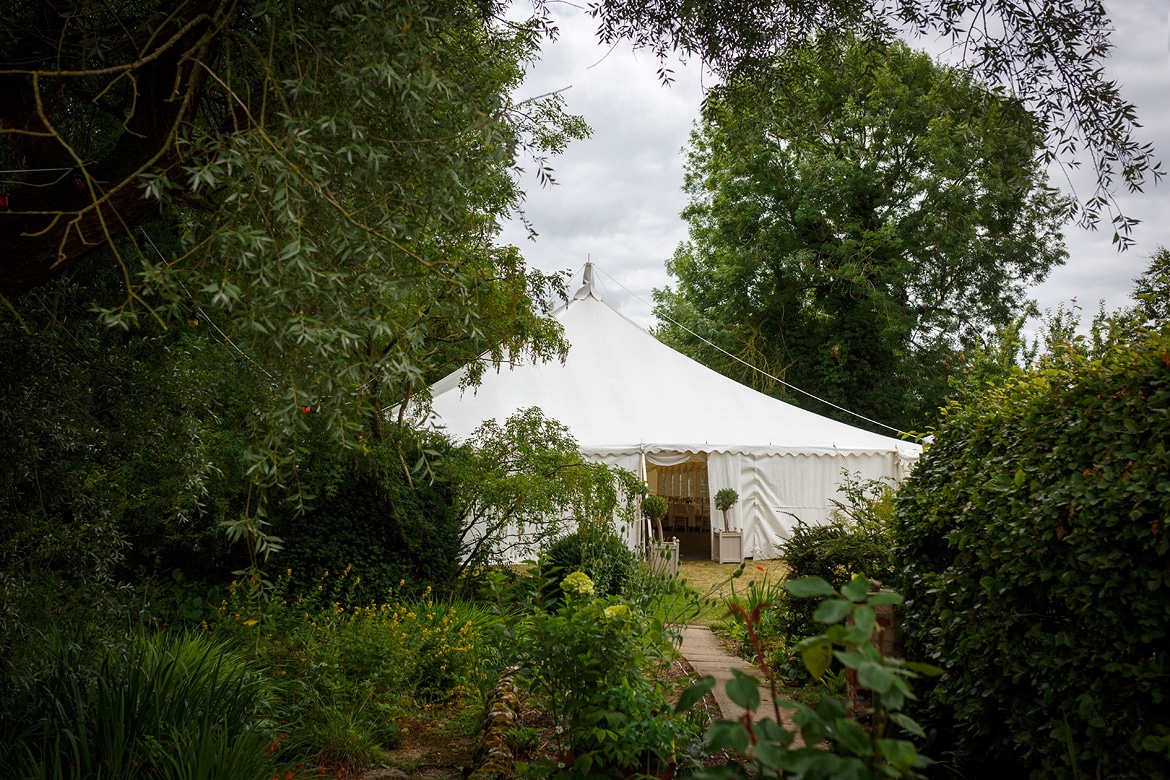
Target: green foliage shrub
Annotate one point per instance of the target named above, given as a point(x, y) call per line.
point(130, 429)
point(599, 553)
point(1033, 535)
point(348, 674)
point(858, 539)
point(586, 660)
point(370, 517)
point(655, 507)
point(764, 747)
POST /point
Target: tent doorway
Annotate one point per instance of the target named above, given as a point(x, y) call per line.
point(682, 481)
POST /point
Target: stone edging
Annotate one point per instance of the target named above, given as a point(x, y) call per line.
point(493, 758)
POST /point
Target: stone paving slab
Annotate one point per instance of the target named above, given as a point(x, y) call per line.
point(706, 655)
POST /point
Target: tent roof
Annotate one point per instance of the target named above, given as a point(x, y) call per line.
point(621, 390)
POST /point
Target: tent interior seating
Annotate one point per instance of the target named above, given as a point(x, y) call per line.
point(687, 514)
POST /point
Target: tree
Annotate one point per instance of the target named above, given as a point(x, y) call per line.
point(99, 98)
point(1049, 55)
point(857, 214)
point(1151, 290)
point(319, 185)
point(519, 484)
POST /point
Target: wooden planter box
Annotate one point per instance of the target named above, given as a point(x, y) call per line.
point(664, 557)
point(728, 547)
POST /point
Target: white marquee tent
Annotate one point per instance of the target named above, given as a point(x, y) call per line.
point(633, 402)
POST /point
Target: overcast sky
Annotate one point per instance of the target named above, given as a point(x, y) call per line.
point(619, 193)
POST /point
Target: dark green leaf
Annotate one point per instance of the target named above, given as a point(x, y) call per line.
point(852, 737)
point(832, 611)
point(744, 690)
point(809, 586)
point(694, 693)
point(856, 589)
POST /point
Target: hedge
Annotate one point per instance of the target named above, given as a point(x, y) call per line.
point(1033, 535)
point(369, 517)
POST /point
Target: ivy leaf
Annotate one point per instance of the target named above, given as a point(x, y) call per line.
point(809, 586)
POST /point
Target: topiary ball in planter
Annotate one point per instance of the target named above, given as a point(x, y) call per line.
point(725, 499)
point(655, 508)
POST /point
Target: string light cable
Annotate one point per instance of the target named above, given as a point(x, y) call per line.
point(758, 370)
point(64, 174)
point(199, 310)
point(226, 338)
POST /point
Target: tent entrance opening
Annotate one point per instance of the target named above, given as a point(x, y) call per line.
point(684, 486)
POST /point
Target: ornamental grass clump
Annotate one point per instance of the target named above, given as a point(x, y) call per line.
point(174, 705)
point(1033, 534)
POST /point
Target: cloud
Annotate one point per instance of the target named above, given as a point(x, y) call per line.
point(620, 192)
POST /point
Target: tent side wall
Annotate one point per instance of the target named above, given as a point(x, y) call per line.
point(633, 532)
point(775, 491)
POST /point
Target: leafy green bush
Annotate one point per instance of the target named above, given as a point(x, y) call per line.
point(1034, 540)
point(586, 660)
point(352, 671)
point(858, 539)
point(370, 517)
point(756, 745)
point(599, 553)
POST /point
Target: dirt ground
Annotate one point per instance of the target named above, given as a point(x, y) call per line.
point(438, 748)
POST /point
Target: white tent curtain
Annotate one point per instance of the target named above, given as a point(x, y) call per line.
point(776, 492)
point(669, 459)
point(634, 533)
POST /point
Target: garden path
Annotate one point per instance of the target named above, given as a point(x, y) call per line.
point(706, 655)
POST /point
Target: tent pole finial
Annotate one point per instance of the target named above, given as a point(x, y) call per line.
point(587, 287)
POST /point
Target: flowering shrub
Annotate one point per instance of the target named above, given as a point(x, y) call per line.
point(586, 661)
point(598, 553)
point(578, 584)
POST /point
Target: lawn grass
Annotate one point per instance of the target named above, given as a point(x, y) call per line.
point(713, 581)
